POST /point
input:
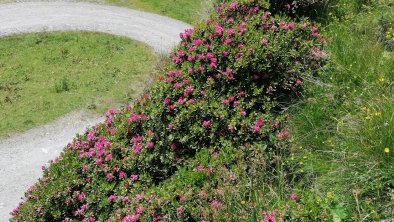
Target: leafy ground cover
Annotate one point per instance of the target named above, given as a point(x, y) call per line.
point(44, 76)
point(245, 124)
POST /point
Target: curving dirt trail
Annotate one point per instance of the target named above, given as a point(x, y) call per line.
point(159, 32)
point(23, 154)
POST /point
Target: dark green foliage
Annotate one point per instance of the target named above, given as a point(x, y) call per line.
point(215, 108)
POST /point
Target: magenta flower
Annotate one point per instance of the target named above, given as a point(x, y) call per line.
point(149, 133)
point(264, 41)
point(190, 58)
point(131, 218)
point(138, 210)
point(134, 177)
point(257, 126)
point(269, 217)
point(219, 30)
point(286, 134)
point(81, 196)
point(108, 157)
point(225, 101)
point(177, 85)
point(38, 209)
point(79, 212)
point(109, 176)
point(256, 129)
point(228, 72)
point(150, 145)
point(294, 196)
point(139, 197)
point(291, 25)
point(136, 139)
point(181, 100)
point(137, 148)
point(167, 101)
point(111, 198)
point(179, 211)
point(200, 168)
point(206, 123)
point(216, 204)
point(133, 117)
point(85, 168)
point(180, 53)
point(197, 42)
point(188, 90)
point(315, 31)
point(215, 155)
point(201, 56)
point(91, 135)
point(122, 175)
point(99, 161)
point(232, 6)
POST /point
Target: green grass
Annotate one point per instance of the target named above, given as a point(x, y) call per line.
point(338, 164)
point(44, 76)
point(347, 119)
point(188, 11)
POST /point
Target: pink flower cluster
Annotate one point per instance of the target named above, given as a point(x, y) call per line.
point(269, 216)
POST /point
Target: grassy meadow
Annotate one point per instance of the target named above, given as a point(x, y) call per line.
point(343, 129)
point(188, 11)
point(44, 76)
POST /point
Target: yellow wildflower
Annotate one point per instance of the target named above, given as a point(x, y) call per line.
point(330, 195)
point(381, 79)
point(387, 150)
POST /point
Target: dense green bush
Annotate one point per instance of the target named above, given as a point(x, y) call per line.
point(213, 108)
point(314, 9)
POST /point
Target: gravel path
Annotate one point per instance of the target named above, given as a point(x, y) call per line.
point(23, 154)
point(159, 32)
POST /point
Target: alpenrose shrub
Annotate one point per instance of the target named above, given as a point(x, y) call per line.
point(216, 98)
